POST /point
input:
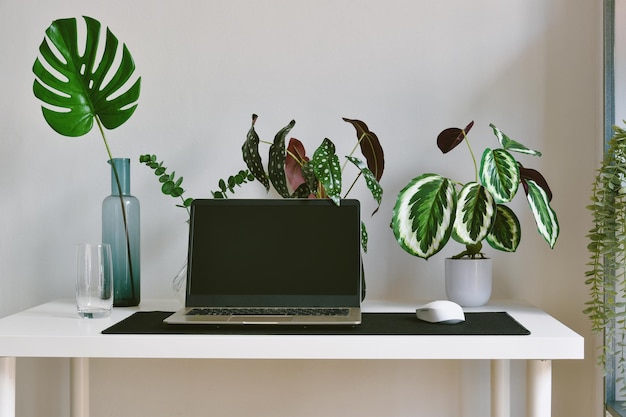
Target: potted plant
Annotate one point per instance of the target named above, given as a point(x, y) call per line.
point(291, 172)
point(431, 208)
point(607, 251)
point(79, 85)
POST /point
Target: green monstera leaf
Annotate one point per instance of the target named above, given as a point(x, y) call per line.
point(78, 83)
point(424, 214)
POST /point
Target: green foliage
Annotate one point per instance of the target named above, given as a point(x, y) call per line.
point(429, 209)
point(79, 84)
point(294, 175)
point(76, 89)
point(606, 277)
point(237, 180)
point(170, 184)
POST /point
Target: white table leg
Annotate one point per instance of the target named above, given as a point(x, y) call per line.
point(500, 388)
point(7, 386)
point(79, 387)
point(539, 388)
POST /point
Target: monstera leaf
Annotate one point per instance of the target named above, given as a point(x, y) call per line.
point(78, 83)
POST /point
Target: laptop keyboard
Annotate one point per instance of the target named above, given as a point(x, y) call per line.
point(212, 311)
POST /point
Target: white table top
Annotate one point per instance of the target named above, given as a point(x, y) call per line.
point(55, 330)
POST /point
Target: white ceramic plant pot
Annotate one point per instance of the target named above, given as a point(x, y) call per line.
point(468, 281)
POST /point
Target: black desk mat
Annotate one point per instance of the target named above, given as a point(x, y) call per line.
point(487, 323)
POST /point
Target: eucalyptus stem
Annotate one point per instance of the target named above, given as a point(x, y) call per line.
point(119, 188)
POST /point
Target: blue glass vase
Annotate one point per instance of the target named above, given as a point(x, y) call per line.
point(121, 231)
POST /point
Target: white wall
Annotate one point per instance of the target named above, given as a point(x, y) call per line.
point(407, 68)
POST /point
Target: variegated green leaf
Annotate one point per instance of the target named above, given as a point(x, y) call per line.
point(475, 213)
point(309, 177)
point(423, 215)
point(511, 145)
point(499, 173)
point(276, 166)
point(506, 232)
point(370, 180)
point(545, 217)
point(327, 169)
point(251, 156)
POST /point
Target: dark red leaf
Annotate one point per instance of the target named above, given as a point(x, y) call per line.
point(533, 174)
point(293, 167)
point(450, 138)
point(370, 147)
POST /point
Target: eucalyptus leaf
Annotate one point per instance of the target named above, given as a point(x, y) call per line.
point(79, 87)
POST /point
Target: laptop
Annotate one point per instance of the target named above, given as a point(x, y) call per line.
point(273, 261)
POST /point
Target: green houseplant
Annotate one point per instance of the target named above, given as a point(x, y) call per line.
point(290, 171)
point(429, 209)
point(606, 277)
point(79, 84)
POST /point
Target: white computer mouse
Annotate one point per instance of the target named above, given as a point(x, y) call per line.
point(441, 311)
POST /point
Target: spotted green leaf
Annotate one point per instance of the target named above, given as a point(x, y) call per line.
point(327, 169)
point(499, 173)
point(364, 237)
point(370, 180)
point(424, 214)
point(475, 213)
point(506, 232)
point(251, 156)
point(276, 167)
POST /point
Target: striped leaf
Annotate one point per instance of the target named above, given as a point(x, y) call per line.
point(545, 217)
point(424, 214)
point(511, 145)
point(370, 180)
point(327, 169)
point(251, 156)
point(475, 213)
point(506, 232)
point(499, 173)
point(276, 166)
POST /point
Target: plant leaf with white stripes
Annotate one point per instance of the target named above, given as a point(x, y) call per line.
point(327, 169)
point(511, 145)
point(545, 217)
point(370, 180)
point(475, 213)
point(424, 214)
point(506, 232)
point(499, 173)
point(276, 166)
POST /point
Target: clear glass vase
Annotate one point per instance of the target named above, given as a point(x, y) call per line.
point(121, 230)
point(179, 284)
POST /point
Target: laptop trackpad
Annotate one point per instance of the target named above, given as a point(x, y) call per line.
point(261, 319)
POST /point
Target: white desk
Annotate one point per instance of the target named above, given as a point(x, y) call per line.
point(55, 330)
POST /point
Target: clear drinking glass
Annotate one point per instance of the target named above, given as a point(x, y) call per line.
point(94, 280)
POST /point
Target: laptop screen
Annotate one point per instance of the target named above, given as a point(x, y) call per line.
point(283, 252)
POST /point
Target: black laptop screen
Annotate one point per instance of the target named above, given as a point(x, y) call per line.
point(274, 252)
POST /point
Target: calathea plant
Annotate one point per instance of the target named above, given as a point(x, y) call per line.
point(431, 208)
point(79, 84)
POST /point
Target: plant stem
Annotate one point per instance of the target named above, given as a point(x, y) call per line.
point(119, 189)
point(472, 154)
